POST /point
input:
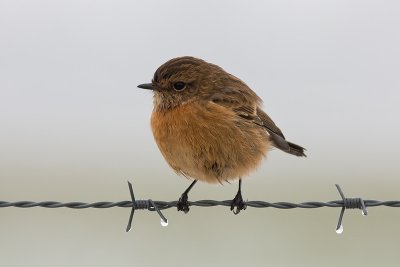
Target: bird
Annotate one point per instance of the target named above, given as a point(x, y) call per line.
point(210, 126)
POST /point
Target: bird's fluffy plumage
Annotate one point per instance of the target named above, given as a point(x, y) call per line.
point(213, 130)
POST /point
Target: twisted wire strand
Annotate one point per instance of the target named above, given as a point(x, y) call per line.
point(345, 203)
point(162, 205)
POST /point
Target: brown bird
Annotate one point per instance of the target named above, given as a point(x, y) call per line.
point(209, 125)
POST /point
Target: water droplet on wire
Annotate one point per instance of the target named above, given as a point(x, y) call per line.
point(363, 213)
point(164, 224)
point(340, 229)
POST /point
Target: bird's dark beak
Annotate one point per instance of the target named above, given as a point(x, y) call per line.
point(148, 86)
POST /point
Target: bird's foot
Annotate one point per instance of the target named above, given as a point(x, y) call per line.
point(238, 204)
point(183, 204)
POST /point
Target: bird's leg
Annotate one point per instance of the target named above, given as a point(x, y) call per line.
point(238, 202)
point(183, 200)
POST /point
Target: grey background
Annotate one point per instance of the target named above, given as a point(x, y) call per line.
point(74, 127)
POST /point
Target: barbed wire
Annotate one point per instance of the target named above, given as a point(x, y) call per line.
point(345, 203)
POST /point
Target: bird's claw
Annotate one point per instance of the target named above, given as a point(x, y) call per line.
point(238, 204)
point(183, 204)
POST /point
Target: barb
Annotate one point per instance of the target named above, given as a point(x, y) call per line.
point(349, 203)
point(142, 204)
point(345, 203)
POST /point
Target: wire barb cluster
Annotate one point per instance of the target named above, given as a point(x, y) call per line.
point(158, 206)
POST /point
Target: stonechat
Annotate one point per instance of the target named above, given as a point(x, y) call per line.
point(209, 125)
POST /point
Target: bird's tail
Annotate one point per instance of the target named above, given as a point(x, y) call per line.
point(296, 150)
point(280, 142)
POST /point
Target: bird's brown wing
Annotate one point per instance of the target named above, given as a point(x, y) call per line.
point(277, 136)
point(247, 107)
point(275, 133)
point(239, 101)
point(269, 123)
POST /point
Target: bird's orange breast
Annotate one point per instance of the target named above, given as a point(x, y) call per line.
point(208, 142)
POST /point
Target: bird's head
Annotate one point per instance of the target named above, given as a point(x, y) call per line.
point(184, 79)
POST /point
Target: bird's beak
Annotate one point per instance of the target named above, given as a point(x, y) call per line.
point(148, 86)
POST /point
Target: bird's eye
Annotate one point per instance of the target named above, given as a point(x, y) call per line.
point(179, 86)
